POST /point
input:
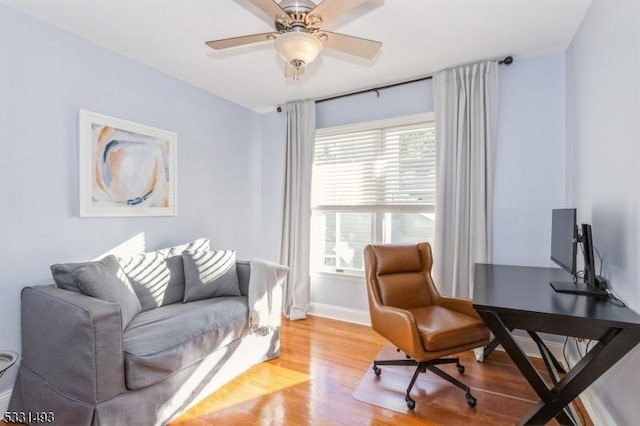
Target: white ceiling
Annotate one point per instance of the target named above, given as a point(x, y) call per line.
point(419, 36)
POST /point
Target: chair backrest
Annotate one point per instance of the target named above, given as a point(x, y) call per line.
point(400, 275)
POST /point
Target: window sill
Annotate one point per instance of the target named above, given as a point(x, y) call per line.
point(338, 276)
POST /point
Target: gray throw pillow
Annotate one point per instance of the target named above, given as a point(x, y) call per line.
point(62, 275)
point(210, 274)
point(201, 244)
point(158, 277)
point(105, 280)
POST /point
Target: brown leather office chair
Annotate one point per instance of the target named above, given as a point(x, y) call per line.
point(407, 309)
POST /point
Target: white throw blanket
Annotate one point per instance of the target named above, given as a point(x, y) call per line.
point(265, 295)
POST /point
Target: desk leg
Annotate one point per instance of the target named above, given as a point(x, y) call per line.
point(545, 350)
point(613, 346)
point(501, 332)
point(488, 350)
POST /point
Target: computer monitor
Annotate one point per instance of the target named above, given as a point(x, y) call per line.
point(564, 241)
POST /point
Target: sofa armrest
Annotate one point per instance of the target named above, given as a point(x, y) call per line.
point(243, 267)
point(73, 342)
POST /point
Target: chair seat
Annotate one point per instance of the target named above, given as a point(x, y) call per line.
point(441, 328)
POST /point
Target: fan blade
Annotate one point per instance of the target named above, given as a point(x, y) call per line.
point(271, 9)
point(352, 45)
point(328, 10)
point(240, 41)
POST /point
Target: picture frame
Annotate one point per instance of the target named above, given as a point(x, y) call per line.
point(126, 169)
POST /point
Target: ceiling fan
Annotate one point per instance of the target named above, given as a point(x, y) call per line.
point(298, 35)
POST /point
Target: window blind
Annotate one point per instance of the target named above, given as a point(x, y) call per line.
point(385, 168)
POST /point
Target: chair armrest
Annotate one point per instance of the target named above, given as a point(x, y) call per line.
point(463, 306)
point(399, 327)
point(73, 342)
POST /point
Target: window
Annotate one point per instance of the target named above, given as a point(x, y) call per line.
point(374, 182)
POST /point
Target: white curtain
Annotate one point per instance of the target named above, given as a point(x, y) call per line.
point(466, 108)
point(294, 251)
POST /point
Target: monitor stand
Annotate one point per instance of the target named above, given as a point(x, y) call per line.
point(575, 288)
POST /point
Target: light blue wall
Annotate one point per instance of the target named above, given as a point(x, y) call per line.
point(603, 116)
point(272, 168)
point(46, 76)
point(530, 161)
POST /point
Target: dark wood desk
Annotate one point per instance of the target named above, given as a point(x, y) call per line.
point(519, 297)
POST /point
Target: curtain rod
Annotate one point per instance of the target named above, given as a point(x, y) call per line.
point(506, 61)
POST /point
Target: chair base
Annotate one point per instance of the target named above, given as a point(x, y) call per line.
point(422, 367)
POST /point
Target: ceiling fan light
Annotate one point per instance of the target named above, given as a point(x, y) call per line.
point(298, 47)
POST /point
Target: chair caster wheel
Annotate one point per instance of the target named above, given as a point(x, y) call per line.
point(460, 368)
point(376, 370)
point(411, 404)
point(471, 400)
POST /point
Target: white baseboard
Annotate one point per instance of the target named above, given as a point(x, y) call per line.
point(530, 348)
point(4, 401)
point(339, 313)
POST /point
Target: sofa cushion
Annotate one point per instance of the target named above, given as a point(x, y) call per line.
point(158, 276)
point(105, 280)
point(161, 341)
point(210, 274)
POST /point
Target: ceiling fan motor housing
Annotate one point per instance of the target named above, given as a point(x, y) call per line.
point(297, 6)
point(296, 17)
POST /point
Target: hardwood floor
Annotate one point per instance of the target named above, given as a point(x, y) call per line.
point(312, 382)
point(321, 364)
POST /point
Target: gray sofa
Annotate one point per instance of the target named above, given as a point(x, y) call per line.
point(78, 363)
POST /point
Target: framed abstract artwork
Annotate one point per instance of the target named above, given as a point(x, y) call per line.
point(126, 169)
